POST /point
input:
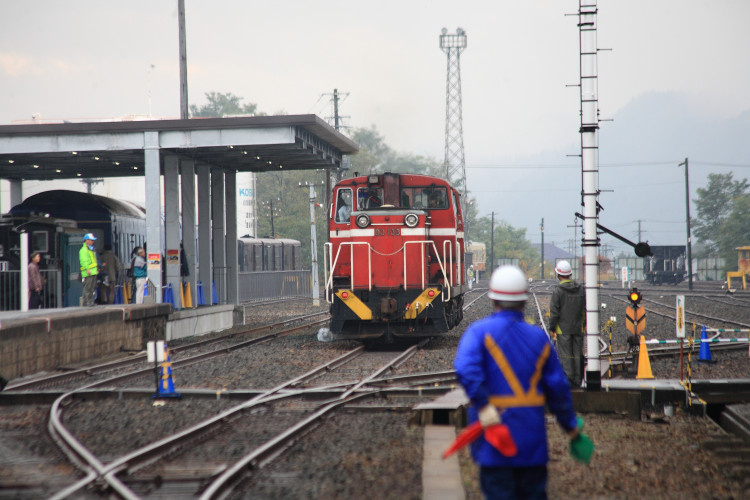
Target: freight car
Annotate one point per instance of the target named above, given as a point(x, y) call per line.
point(269, 254)
point(666, 265)
point(394, 263)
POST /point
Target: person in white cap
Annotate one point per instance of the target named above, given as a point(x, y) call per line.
point(509, 371)
point(89, 268)
point(567, 312)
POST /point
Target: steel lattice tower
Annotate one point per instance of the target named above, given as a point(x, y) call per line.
point(455, 165)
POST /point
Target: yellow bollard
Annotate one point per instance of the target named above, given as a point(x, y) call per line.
point(644, 365)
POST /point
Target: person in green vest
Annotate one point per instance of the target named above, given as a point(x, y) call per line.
point(89, 268)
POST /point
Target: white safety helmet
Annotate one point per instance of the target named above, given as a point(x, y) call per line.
point(508, 284)
point(89, 236)
point(563, 268)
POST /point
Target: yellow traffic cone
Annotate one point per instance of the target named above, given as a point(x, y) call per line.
point(644, 365)
point(187, 297)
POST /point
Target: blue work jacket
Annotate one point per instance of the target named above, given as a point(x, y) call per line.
point(503, 360)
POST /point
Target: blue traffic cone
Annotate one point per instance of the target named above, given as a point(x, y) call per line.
point(169, 295)
point(213, 290)
point(199, 297)
point(166, 384)
point(118, 294)
point(705, 353)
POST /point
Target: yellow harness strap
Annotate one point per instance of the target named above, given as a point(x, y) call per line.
point(532, 397)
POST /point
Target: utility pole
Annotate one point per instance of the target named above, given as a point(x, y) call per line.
point(91, 182)
point(313, 244)
point(589, 113)
point(639, 229)
point(269, 204)
point(687, 220)
point(336, 109)
point(492, 244)
point(455, 166)
point(183, 60)
point(541, 226)
point(575, 227)
point(335, 175)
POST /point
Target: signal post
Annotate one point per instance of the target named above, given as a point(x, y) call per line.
point(635, 319)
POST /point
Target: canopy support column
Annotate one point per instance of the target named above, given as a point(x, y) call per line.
point(204, 229)
point(187, 176)
point(230, 181)
point(152, 162)
point(218, 237)
point(172, 225)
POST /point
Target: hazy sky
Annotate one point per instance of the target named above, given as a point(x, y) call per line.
point(79, 59)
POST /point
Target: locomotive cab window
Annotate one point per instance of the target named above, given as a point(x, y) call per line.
point(424, 197)
point(369, 197)
point(344, 205)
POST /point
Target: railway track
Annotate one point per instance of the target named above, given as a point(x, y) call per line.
point(117, 474)
point(121, 475)
point(136, 365)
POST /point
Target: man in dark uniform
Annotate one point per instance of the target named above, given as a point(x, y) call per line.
point(567, 311)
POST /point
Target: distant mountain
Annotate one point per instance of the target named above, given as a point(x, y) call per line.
point(639, 179)
point(665, 126)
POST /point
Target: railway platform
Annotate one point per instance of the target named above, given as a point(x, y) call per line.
point(443, 415)
point(53, 339)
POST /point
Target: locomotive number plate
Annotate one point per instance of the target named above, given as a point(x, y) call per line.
point(394, 231)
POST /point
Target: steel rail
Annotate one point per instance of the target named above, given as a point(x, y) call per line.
point(664, 315)
point(88, 463)
point(541, 317)
point(224, 483)
point(141, 356)
point(96, 470)
point(713, 318)
point(227, 480)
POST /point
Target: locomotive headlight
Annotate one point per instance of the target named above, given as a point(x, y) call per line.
point(363, 220)
point(411, 220)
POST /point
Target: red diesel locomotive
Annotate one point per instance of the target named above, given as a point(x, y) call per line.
point(394, 263)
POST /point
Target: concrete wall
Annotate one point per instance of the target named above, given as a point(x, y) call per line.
point(196, 322)
point(38, 343)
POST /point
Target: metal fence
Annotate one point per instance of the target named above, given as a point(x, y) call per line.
point(274, 285)
point(252, 287)
point(10, 290)
point(710, 269)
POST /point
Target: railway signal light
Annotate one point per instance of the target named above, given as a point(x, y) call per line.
point(635, 297)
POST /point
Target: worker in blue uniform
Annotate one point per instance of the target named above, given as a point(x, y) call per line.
point(510, 370)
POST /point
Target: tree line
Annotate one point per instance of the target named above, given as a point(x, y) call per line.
point(723, 220)
point(281, 190)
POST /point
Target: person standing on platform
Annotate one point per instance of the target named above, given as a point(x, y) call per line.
point(36, 282)
point(509, 370)
point(89, 269)
point(111, 272)
point(140, 273)
point(567, 311)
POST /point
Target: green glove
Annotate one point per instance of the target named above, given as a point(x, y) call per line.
point(581, 448)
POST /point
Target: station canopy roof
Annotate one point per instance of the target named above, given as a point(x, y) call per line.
point(116, 148)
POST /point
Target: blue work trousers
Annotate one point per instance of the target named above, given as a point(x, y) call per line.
point(510, 483)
